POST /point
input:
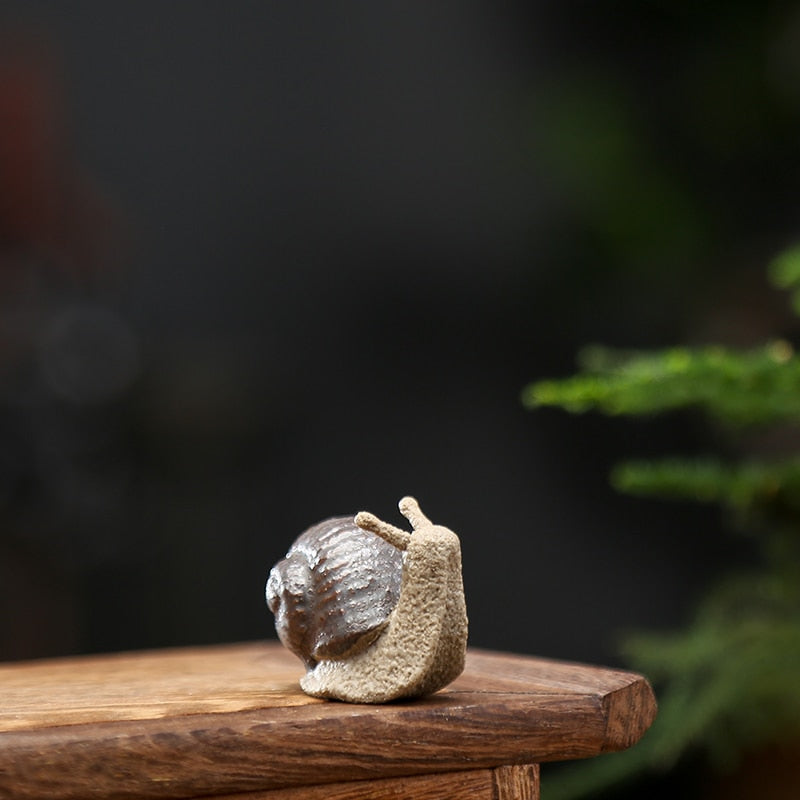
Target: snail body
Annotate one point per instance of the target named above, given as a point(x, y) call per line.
point(420, 646)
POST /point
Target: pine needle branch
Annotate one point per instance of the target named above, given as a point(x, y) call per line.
point(767, 488)
point(742, 389)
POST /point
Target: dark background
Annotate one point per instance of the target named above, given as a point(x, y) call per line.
point(263, 263)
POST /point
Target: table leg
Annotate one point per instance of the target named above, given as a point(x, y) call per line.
point(518, 782)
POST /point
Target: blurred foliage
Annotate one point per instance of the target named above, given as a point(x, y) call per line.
point(615, 179)
point(729, 682)
point(785, 272)
point(666, 139)
point(749, 388)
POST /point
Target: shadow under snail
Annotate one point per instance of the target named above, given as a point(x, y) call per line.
point(376, 613)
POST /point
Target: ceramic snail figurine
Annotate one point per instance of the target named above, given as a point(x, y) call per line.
point(376, 613)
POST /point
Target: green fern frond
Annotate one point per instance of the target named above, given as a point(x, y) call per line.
point(751, 388)
point(754, 485)
point(729, 681)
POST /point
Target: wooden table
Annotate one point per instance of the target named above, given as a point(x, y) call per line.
point(231, 721)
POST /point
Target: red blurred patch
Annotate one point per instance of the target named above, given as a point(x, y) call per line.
point(47, 207)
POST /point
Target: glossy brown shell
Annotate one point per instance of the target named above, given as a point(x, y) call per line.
point(334, 591)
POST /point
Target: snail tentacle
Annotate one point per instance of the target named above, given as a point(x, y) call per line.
point(395, 536)
point(410, 509)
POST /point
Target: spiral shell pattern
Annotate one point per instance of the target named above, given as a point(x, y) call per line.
point(334, 591)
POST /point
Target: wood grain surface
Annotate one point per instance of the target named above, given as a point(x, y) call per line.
point(232, 719)
point(517, 782)
point(476, 784)
point(504, 783)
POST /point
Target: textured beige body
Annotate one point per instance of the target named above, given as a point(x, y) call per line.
point(423, 646)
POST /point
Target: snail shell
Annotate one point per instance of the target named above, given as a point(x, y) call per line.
point(333, 593)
